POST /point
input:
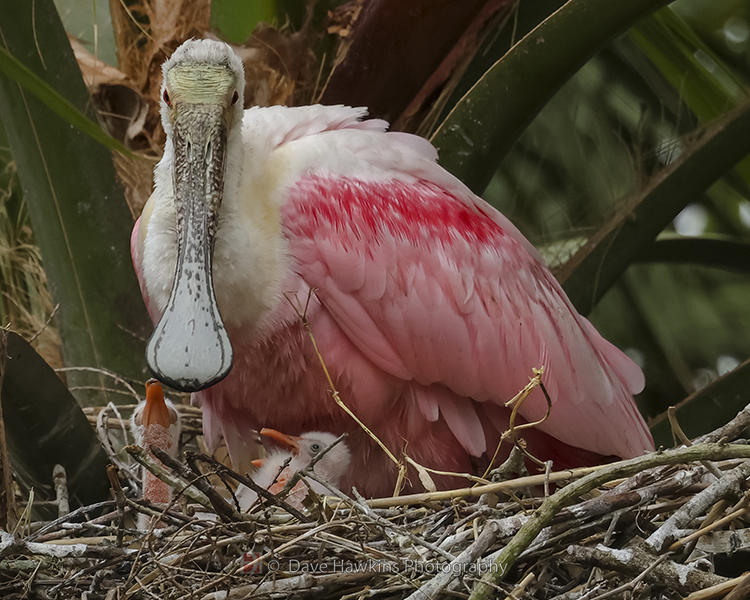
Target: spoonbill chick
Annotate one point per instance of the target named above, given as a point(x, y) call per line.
point(280, 465)
point(155, 422)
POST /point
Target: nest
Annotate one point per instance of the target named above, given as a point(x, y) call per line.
point(658, 526)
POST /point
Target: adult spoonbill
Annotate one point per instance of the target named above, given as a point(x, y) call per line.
point(155, 422)
point(428, 306)
point(298, 451)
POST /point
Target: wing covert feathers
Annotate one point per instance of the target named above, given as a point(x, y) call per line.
point(436, 292)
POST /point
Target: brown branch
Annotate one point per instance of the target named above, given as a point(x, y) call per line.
point(227, 512)
point(633, 561)
point(566, 495)
point(144, 458)
point(729, 485)
point(246, 481)
point(459, 565)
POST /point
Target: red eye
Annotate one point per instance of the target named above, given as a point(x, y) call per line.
point(235, 97)
point(166, 98)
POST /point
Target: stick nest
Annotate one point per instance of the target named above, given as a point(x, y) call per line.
point(665, 525)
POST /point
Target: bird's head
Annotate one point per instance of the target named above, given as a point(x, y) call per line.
point(304, 448)
point(156, 420)
point(201, 108)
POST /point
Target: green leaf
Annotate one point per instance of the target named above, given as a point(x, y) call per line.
point(235, 20)
point(45, 426)
point(487, 121)
point(525, 16)
point(708, 408)
point(714, 252)
point(16, 70)
point(705, 84)
point(79, 215)
point(596, 266)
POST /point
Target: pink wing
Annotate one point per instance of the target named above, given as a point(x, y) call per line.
point(435, 290)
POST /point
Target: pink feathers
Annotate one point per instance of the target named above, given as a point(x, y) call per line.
point(429, 308)
point(463, 310)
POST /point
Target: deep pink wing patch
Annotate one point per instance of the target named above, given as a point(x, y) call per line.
point(432, 289)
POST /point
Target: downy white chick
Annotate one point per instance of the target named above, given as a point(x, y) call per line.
point(300, 451)
point(155, 422)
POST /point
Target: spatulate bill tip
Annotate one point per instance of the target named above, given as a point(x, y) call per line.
point(189, 363)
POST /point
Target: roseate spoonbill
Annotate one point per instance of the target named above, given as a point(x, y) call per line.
point(299, 451)
point(427, 305)
point(155, 422)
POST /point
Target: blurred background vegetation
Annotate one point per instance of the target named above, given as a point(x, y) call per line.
point(628, 114)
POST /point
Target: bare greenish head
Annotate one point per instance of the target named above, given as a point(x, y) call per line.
point(201, 101)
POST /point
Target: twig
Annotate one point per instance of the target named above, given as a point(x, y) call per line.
point(565, 496)
point(8, 514)
point(631, 585)
point(362, 507)
point(717, 591)
point(144, 458)
point(310, 468)
point(60, 480)
point(459, 565)
point(730, 431)
point(51, 315)
point(119, 494)
point(246, 481)
point(69, 517)
point(302, 314)
point(677, 430)
point(11, 545)
point(709, 528)
point(729, 484)
point(288, 587)
point(106, 372)
point(107, 445)
point(227, 512)
point(521, 587)
point(632, 561)
point(742, 591)
point(500, 487)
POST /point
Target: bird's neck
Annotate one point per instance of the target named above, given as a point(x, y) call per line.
point(155, 490)
point(251, 257)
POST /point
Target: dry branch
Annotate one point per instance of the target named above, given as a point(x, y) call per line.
point(729, 485)
point(634, 561)
point(565, 496)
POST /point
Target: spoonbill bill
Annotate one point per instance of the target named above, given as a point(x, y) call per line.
point(279, 466)
point(428, 307)
point(155, 422)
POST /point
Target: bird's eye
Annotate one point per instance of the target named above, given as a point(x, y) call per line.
point(235, 97)
point(315, 448)
point(166, 98)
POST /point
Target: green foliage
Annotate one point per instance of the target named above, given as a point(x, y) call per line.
point(78, 211)
point(475, 137)
point(709, 408)
point(45, 426)
point(18, 72)
point(598, 265)
point(235, 20)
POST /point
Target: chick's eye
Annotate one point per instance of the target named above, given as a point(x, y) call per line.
point(315, 447)
point(235, 98)
point(166, 98)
